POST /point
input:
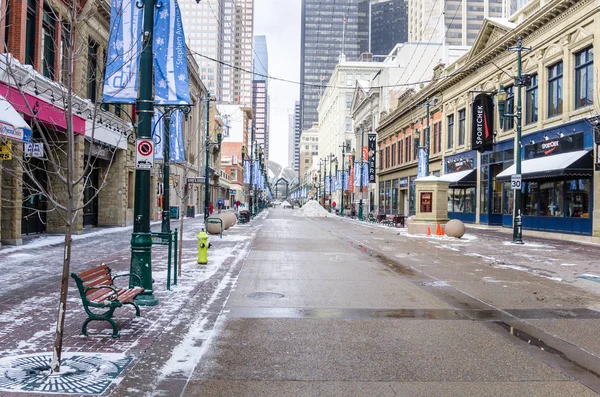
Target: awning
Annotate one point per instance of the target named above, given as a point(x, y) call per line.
point(12, 125)
point(466, 178)
point(575, 164)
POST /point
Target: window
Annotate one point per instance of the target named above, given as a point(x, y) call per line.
point(509, 122)
point(234, 175)
point(531, 101)
point(462, 116)
point(400, 150)
point(48, 43)
point(551, 199)
point(348, 101)
point(387, 157)
point(64, 45)
point(584, 78)
point(436, 137)
point(555, 95)
point(393, 154)
point(92, 70)
point(450, 143)
point(348, 124)
point(407, 147)
point(578, 198)
point(30, 32)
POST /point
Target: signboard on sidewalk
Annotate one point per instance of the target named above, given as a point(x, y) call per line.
point(144, 154)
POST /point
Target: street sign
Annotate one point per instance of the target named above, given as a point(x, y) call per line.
point(195, 180)
point(515, 182)
point(144, 154)
point(5, 153)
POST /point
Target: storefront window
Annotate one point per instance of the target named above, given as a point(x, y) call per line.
point(388, 196)
point(531, 193)
point(395, 196)
point(381, 197)
point(551, 199)
point(577, 198)
point(507, 199)
point(461, 200)
point(484, 190)
point(412, 194)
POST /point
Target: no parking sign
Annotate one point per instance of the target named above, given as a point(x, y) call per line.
point(144, 154)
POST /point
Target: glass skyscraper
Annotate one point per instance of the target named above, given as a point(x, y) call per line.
point(329, 29)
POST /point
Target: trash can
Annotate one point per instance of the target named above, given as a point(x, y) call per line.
point(246, 215)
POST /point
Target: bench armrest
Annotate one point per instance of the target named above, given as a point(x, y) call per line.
point(128, 274)
point(91, 303)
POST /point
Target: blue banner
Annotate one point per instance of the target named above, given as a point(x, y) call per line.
point(256, 173)
point(422, 163)
point(346, 180)
point(171, 81)
point(365, 174)
point(246, 172)
point(176, 137)
point(124, 48)
point(357, 175)
point(158, 131)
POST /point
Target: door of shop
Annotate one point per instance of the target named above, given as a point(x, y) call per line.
point(33, 217)
point(90, 199)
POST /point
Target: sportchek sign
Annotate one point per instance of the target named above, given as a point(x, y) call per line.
point(482, 137)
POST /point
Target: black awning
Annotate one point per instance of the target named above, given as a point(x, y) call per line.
point(469, 179)
point(574, 164)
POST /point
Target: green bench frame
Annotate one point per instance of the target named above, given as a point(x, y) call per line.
point(97, 290)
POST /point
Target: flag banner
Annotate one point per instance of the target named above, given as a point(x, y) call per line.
point(262, 180)
point(346, 180)
point(171, 81)
point(357, 173)
point(121, 73)
point(158, 132)
point(422, 163)
point(482, 123)
point(176, 137)
point(340, 180)
point(326, 185)
point(365, 175)
point(372, 152)
point(246, 172)
point(351, 180)
point(256, 172)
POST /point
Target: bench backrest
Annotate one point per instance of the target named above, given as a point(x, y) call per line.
point(94, 277)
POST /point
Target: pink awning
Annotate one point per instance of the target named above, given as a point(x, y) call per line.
point(47, 113)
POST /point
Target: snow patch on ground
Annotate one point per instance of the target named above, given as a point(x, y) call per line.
point(489, 258)
point(312, 209)
point(568, 264)
point(530, 245)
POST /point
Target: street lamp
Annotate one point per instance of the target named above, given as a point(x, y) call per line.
point(417, 139)
point(335, 162)
point(501, 98)
point(207, 145)
point(331, 159)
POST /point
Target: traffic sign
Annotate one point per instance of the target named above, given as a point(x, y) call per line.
point(515, 182)
point(144, 154)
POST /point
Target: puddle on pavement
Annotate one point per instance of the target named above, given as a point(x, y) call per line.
point(264, 295)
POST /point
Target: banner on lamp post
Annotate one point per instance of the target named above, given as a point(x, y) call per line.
point(422, 163)
point(482, 122)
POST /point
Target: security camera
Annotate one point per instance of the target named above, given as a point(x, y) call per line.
point(434, 100)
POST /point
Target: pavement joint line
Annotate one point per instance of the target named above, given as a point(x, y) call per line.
point(572, 360)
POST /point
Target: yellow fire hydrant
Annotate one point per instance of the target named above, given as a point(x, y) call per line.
point(203, 246)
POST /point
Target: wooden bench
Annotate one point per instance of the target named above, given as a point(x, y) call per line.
point(98, 290)
point(387, 221)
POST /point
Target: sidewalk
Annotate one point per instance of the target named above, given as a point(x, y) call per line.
point(28, 310)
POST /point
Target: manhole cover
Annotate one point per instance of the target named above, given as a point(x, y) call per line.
point(433, 284)
point(264, 295)
point(81, 373)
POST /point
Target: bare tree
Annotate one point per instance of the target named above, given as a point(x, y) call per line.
point(65, 197)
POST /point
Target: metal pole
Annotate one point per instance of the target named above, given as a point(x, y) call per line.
point(141, 238)
point(207, 153)
point(166, 213)
point(324, 179)
point(251, 172)
point(362, 144)
point(330, 188)
point(427, 142)
point(343, 172)
point(517, 221)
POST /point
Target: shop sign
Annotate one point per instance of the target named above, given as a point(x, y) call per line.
point(482, 122)
point(5, 153)
point(195, 180)
point(372, 154)
point(569, 143)
point(403, 182)
point(426, 201)
point(232, 191)
point(459, 164)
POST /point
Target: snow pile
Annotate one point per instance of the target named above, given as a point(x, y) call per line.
point(312, 209)
point(286, 204)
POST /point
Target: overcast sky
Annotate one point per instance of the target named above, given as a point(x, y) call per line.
point(279, 21)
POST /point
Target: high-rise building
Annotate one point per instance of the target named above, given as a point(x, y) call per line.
point(222, 30)
point(297, 133)
point(291, 139)
point(260, 93)
point(387, 24)
point(454, 22)
point(329, 29)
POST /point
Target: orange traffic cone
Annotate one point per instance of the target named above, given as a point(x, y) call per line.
point(443, 232)
point(438, 230)
point(428, 231)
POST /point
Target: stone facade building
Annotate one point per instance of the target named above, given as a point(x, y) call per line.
point(560, 117)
